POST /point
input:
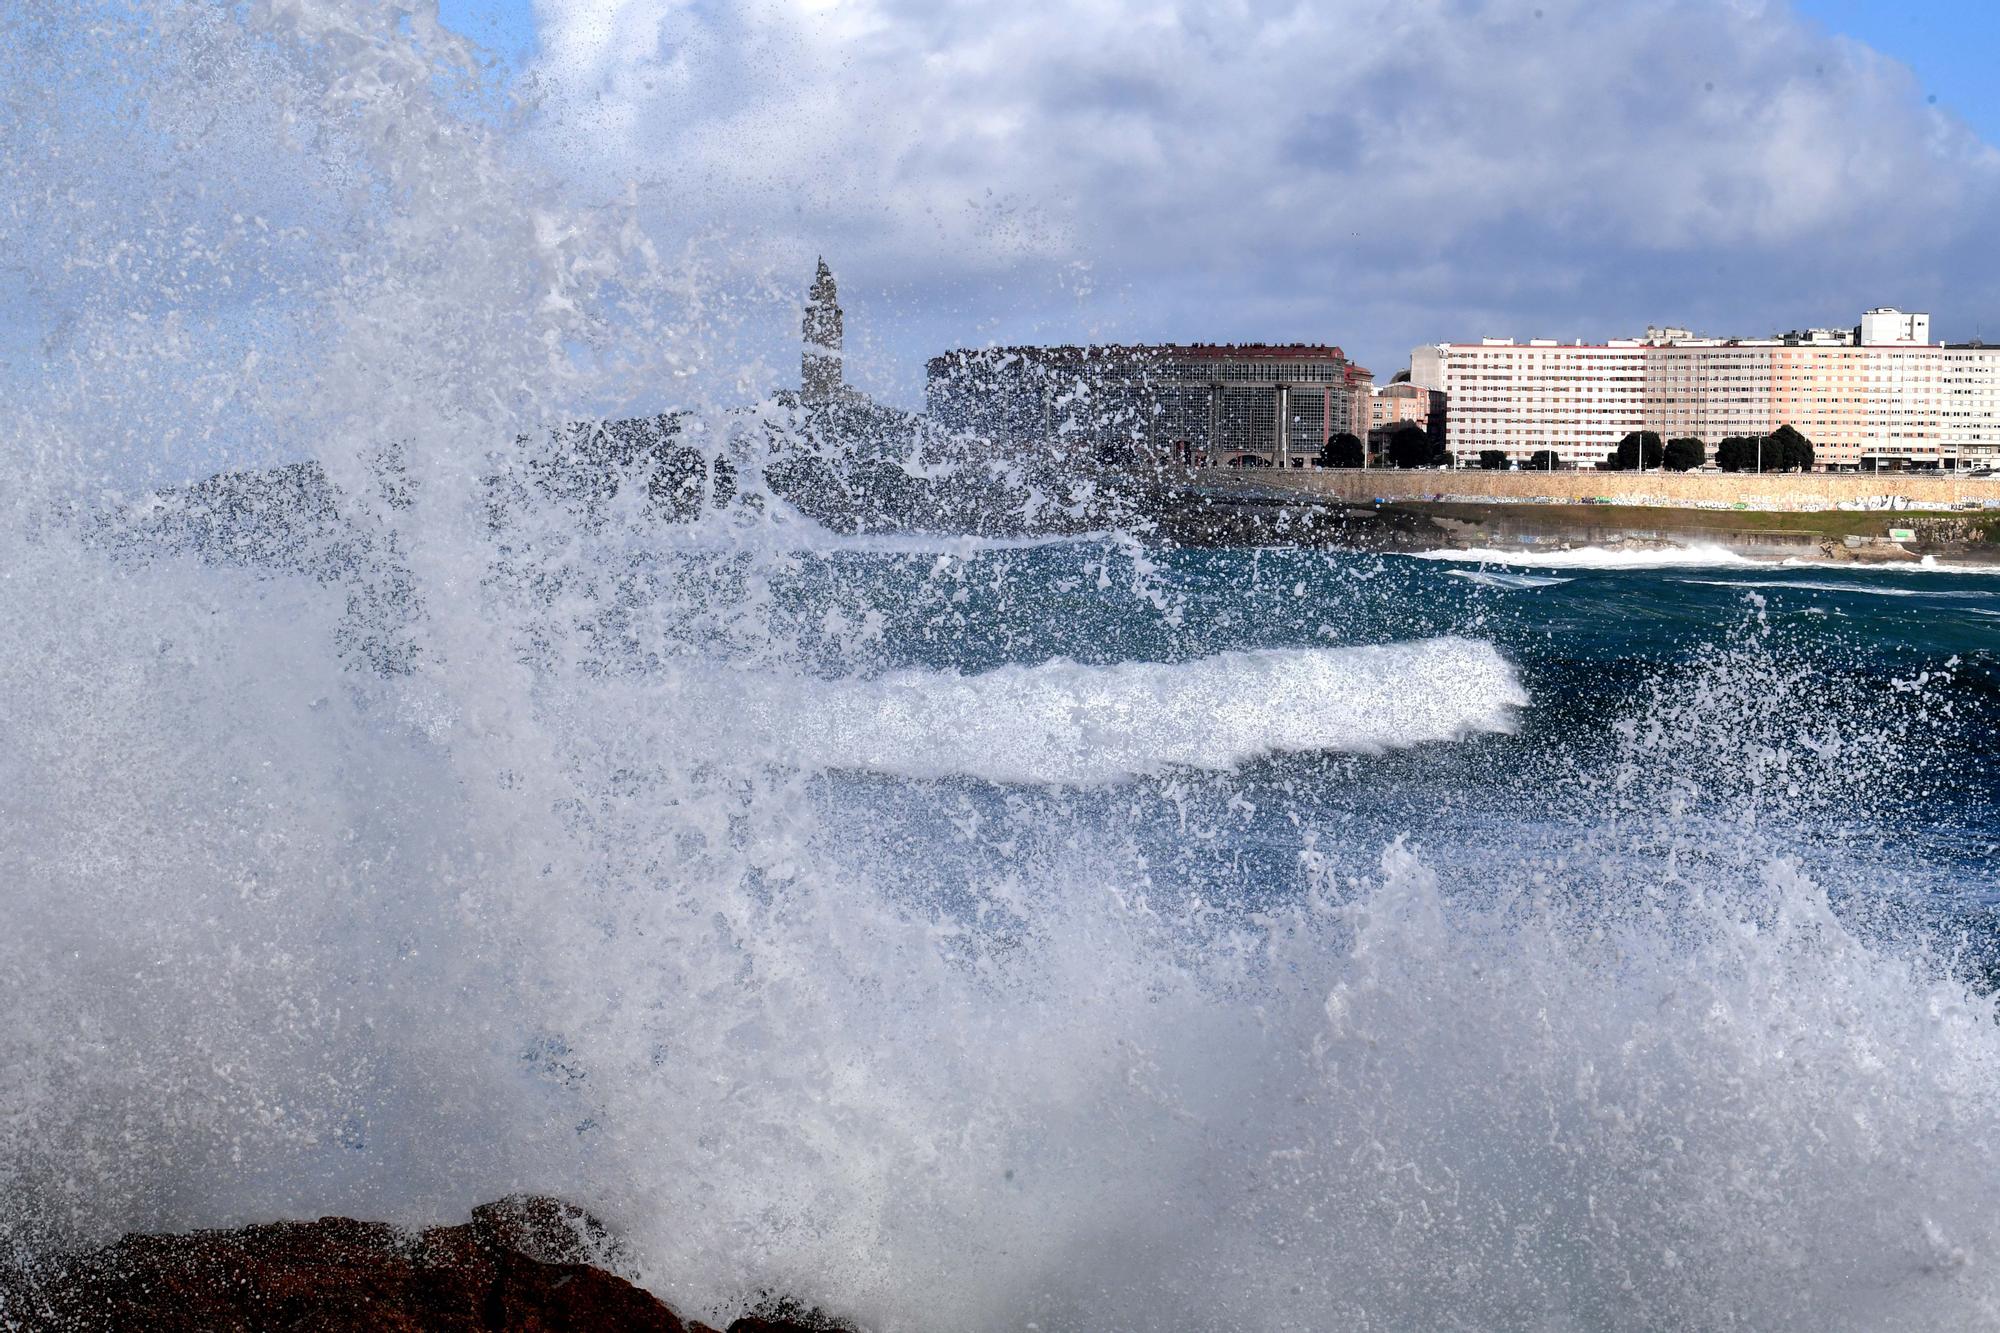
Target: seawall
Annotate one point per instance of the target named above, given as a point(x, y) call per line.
point(1391, 511)
point(1802, 492)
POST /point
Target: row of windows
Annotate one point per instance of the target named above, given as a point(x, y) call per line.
point(1657, 381)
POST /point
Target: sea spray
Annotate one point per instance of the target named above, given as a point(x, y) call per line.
point(443, 856)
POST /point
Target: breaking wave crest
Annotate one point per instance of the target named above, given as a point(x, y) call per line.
point(1069, 723)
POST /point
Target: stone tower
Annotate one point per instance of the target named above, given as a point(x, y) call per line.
point(819, 368)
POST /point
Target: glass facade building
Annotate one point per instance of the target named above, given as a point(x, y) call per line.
point(1258, 404)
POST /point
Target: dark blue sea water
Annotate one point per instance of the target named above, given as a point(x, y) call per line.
point(1848, 717)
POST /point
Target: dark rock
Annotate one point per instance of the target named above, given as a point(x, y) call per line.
point(782, 1314)
point(522, 1265)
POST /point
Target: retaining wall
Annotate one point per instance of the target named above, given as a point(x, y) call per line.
point(1772, 491)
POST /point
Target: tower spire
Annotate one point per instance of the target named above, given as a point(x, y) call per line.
point(819, 364)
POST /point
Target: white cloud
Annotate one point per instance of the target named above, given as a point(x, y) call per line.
point(1375, 172)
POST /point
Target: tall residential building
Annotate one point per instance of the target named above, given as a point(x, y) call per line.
point(1577, 400)
point(1876, 396)
point(1255, 403)
point(819, 361)
point(1969, 413)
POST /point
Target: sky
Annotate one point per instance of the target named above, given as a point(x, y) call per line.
point(1371, 173)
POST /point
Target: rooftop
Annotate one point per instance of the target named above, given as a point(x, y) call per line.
point(1179, 351)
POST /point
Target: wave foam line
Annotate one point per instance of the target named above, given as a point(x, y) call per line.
point(1065, 723)
point(1929, 564)
point(1863, 588)
point(1488, 578)
point(1594, 557)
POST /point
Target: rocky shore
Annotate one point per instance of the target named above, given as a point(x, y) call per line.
point(522, 1265)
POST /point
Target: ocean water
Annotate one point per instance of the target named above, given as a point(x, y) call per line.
point(957, 933)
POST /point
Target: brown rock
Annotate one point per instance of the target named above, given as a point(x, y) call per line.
point(523, 1265)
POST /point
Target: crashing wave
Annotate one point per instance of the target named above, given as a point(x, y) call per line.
point(1065, 722)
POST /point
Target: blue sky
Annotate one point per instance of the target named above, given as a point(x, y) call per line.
point(504, 26)
point(1950, 44)
point(1376, 173)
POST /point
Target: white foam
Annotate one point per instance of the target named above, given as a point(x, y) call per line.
point(1488, 578)
point(1929, 564)
point(1866, 589)
point(1063, 722)
point(1595, 557)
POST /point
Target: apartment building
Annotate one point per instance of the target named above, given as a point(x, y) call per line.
point(1877, 396)
point(1577, 399)
point(1404, 404)
point(1969, 407)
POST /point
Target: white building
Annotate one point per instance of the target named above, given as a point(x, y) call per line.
point(1878, 396)
point(1969, 410)
point(1578, 400)
point(1886, 326)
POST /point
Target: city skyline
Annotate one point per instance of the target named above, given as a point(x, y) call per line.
point(1880, 393)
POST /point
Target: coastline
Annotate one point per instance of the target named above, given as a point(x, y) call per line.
point(1207, 509)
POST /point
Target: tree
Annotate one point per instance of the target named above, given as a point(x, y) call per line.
point(1343, 450)
point(1493, 460)
point(1410, 445)
point(1786, 450)
point(1544, 460)
point(1686, 453)
point(1740, 453)
point(1783, 450)
point(1641, 448)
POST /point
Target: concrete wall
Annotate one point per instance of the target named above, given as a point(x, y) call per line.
point(1778, 492)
